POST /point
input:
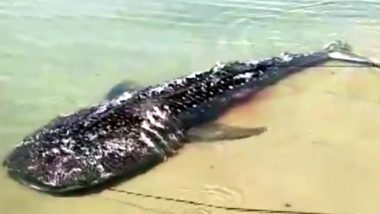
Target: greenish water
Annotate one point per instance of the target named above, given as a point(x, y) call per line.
point(59, 55)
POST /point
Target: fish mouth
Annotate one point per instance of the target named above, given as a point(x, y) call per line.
point(18, 171)
point(33, 183)
point(59, 191)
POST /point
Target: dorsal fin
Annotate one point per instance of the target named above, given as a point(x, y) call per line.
point(121, 88)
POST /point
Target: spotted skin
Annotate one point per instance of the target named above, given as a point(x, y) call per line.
point(131, 133)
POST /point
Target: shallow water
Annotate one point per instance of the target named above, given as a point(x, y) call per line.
point(321, 151)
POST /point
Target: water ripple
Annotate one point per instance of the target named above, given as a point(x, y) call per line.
point(223, 194)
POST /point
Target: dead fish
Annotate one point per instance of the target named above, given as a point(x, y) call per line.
point(129, 134)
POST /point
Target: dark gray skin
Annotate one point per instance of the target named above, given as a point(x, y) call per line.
point(133, 132)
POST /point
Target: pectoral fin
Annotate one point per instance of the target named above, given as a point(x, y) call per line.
point(216, 132)
point(119, 89)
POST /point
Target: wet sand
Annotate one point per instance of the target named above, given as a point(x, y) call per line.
point(320, 154)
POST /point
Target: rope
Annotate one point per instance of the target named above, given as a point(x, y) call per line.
point(228, 208)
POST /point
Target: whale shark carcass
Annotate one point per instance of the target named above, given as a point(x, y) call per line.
point(131, 132)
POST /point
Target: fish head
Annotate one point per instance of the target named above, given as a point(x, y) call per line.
point(75, 152)
point(49, 173)
point(45, 165)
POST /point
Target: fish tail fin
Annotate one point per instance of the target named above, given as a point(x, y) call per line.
point(342, 51)
point(338, 45)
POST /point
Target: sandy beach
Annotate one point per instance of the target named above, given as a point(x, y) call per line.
point(322, 147)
